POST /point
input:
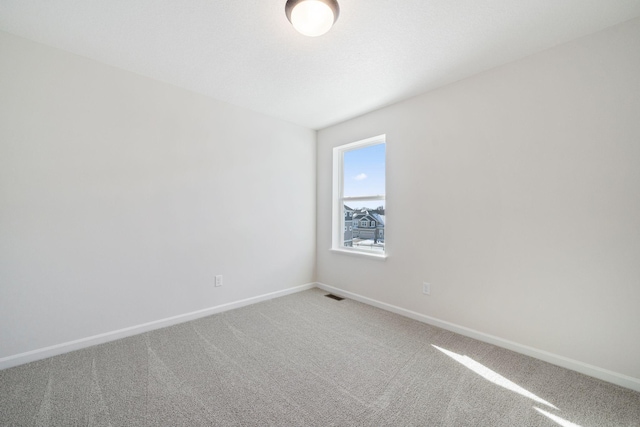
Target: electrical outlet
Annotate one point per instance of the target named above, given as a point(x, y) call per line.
point(219, 280)
point(426, 288)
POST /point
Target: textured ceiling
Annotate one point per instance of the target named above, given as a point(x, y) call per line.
point(245, 51)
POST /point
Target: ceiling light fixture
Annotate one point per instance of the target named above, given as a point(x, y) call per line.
point(312, 17)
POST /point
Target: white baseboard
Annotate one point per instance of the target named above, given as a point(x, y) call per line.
point(565, 362)
point(54, 350)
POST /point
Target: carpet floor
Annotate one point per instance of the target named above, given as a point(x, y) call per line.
point(306, 360)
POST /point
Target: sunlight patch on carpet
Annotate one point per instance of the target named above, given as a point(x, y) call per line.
point(557, 419)
point(492, 376)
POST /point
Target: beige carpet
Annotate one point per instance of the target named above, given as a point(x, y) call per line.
point(306, 360)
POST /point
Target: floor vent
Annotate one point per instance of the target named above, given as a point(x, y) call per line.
point(335, 297)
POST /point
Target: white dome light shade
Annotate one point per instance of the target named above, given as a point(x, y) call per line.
point(312, 17)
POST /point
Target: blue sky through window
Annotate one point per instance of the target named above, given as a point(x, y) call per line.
point(364, 170)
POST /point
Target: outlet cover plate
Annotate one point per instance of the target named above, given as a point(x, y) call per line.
point(426, 288)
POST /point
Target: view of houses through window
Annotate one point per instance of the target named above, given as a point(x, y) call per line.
point(363, 195)
point(364, 227)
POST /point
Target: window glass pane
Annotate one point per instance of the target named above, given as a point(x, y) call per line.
point(365, 221)
point(364, 171)
point(359, 190)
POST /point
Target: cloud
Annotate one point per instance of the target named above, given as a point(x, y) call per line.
point(360, 177)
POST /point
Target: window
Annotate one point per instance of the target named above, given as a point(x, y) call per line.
point(359, 193)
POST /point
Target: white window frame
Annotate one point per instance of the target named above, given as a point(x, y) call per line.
point(337, 241)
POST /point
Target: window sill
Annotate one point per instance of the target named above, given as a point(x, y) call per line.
point(362, 254)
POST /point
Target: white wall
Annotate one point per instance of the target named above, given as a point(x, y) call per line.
point(516, 193)
point(121, 197)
